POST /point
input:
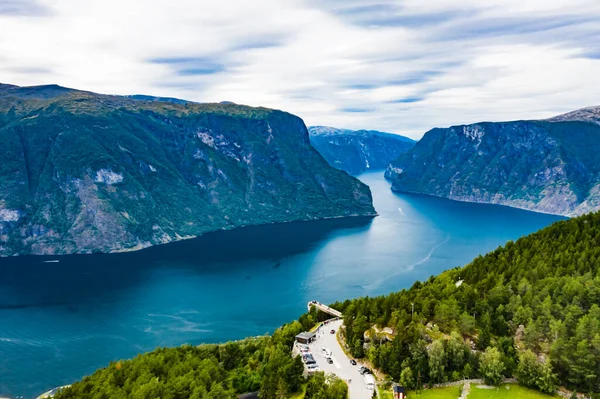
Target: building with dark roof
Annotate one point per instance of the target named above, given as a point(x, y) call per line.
point(251, 395)
point(305, 337)
point(399, 392)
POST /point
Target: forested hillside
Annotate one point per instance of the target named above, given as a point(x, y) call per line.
point(84, 172)
point(529, 309)
point(550, 166)
point(260, 364)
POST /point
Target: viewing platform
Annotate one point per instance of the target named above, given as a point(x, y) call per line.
point(324, 308)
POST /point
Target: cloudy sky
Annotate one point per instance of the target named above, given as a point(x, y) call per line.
point(403, 66)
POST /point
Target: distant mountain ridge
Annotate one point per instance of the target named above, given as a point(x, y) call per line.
point(588, 114)
point(144, 97)
point(356, 151)
point(550, 166)
point(84, 172)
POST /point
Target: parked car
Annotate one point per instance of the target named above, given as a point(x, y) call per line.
point(332, 331)
point(329, 360)
point(353, 362)
point(308, 359)
point(363, 370)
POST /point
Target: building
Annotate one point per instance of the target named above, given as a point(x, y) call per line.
point(399, 392)
point(251, 395)
point(306, 337)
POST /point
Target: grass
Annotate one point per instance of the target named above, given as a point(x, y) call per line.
point(438, 393)
point(514, 391)
point(385, 393)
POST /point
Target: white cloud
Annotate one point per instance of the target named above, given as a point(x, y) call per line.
point(400, 66)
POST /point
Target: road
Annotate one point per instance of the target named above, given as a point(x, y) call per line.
point(341, 363)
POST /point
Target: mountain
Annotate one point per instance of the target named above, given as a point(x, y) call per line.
point(356, 151)
point(589, 114)
point(144, 97)
point(550, 166)
point(84, 172)
point(528, 310)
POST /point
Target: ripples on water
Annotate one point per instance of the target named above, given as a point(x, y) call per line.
point(60, 321)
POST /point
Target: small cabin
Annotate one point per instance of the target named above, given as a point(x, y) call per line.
point(306, 337)
point(399, 392)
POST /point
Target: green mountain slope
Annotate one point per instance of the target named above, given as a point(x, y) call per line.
point(356, 151)
point(530, 309)
point(548, 166)
point(84, 172)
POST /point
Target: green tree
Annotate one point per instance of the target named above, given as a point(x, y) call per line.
point(407, 379)
point(491, 366)
point(437, 361)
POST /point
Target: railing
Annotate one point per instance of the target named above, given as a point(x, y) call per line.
point(324, 308)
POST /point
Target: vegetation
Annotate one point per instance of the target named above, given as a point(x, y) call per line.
point(83, 172)
point(529, 309)
point(211, 372)
point(548, 166)
point(509, 391)
point(436, 393)
point(356, 151)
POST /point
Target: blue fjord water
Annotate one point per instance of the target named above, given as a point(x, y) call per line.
point(61, 321)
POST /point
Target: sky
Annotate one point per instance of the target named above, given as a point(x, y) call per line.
point(401, 66)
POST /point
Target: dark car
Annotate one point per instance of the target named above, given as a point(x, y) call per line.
point(329, 360)
point(332, 331)
point(353, 362)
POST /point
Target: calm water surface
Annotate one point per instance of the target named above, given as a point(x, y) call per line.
point(61, 321)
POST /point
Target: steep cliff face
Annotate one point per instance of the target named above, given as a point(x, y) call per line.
point(545, 166)
point(83, 172)
point(356, 151)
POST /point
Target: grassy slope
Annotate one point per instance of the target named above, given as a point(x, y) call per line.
point(510, 391)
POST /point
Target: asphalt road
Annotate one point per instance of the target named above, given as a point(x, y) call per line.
point(341, 363)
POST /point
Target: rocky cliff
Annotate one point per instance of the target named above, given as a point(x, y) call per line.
point(548, 166)
point(83, 172)
point(356, 151)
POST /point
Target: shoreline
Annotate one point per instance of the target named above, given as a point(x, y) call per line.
point(141, 247)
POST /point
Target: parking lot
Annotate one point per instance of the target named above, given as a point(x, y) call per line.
point(341, 363)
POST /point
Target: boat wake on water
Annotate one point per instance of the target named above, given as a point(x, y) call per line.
point(410, 267)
